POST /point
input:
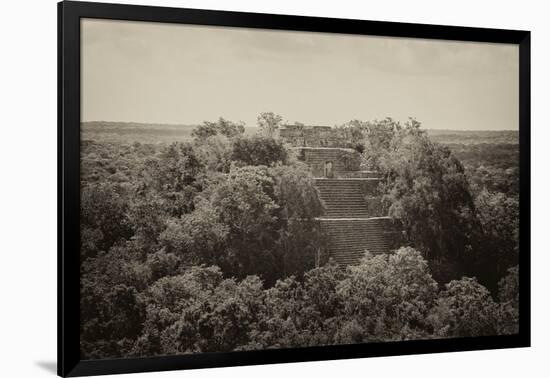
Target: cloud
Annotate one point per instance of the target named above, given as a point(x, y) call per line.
point(168, 73)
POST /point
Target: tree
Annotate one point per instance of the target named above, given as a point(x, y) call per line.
point(119, 319)
point(244, 201)
point(370, 138)
point(295, 191)
point(204, 131)
point(198, 237)
point(172, 300)
point(300, 241)
point(102, 218)
point(199, 311)
point(509, 302)
point(259, 150)
point(215, 153)
point(162, 264)
point(174, 177)
point(111, 311)
point(499, 217)
point(389, 297)
point(464, 309)
point(147, 214)
point(214, 246)
point(253, 220)
point(269, 123)
point(299, 314)
point(279, 323)
point(220, 127)
point(426, 188)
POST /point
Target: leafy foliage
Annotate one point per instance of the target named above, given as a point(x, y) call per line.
point(269, 122)
point(509, 302)
point(464, 309)
point(499, 217)
point(460, 229)
point(390, 296)
point(426, 188)
point(259, 150)
point(212, 245)
point(383, 299)
point(103, 222)
point(220, 127)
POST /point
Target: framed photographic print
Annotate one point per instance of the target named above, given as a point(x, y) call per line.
point(239, 188)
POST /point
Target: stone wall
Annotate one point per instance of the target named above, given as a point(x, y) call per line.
point(354, 220)
point(350, 197)
point(350, 238)
point(321, 136)
point(343, 160)
point(309, 136)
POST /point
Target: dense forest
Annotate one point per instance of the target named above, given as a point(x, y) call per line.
point(209, 242)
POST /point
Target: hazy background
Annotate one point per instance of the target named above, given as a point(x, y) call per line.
point(166, 73)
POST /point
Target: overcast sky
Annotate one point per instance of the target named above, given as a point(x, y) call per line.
point(166, 73)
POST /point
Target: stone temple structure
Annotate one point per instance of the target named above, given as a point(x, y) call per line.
point(354, 220)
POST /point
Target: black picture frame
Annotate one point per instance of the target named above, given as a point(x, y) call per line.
point(69, 15)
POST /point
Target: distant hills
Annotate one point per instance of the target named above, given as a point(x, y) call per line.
point(158, 132)
point(474, 136)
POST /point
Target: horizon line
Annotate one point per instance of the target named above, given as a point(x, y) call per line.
point(255, 126)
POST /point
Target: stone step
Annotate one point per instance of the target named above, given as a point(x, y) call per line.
point(342, 197)
point(357, 247)
point(345, 179)
point(353, 259)
point(349, 239)
point(344, 202)
point(360, 174)
point(351, 229)
point(343, 216)
point(340, 191)
point(330, 187)
point(357, 243)
point(343, 193)
point(351, 185)
point(346, 188)
point(346, 214)
point(353, 254)
point(344, 206)
point(342, 209)
point(343, 189)
point(338, 185)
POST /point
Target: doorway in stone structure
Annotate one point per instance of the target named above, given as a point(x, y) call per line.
point(328, 169)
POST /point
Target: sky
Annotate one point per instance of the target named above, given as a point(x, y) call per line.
point(183, 74)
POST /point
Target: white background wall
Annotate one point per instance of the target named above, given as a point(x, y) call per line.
point(28, 186)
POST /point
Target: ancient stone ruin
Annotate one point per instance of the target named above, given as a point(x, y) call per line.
point(354, 219)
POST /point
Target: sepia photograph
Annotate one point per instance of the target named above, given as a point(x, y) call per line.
point(249, 189)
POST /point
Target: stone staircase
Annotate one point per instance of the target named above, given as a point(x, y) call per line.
point(352, 218)
point(351, 224)
point(316, 157)
point(359, 174)
point(343, 197)
point(344, 160)
point(350, 238)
